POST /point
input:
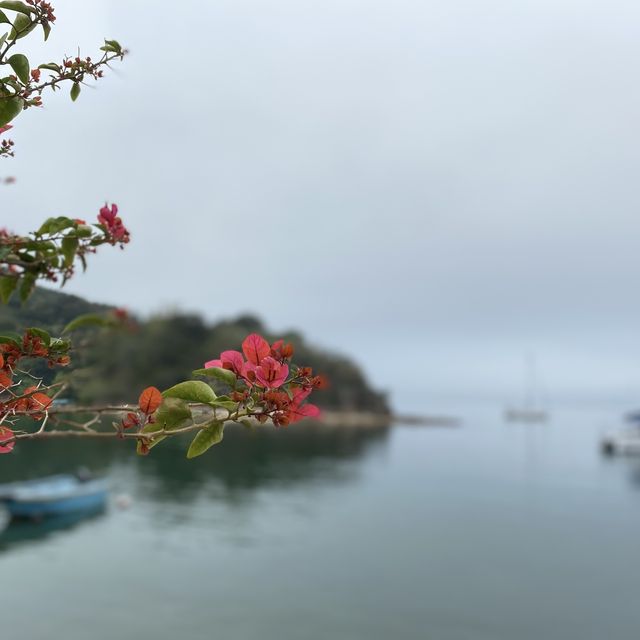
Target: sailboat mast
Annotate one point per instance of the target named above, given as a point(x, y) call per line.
point(530, 383)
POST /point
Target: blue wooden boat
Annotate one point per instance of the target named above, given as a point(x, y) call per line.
point(54, 495)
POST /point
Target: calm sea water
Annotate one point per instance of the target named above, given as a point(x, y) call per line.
point(486, 531)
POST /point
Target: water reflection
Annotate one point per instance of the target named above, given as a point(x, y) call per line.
point(244, 462)
point(634, 472)
point(406, 534)
point(247, 461)
point(21, 532)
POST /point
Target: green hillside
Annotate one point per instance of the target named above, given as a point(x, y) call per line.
point(166, 348)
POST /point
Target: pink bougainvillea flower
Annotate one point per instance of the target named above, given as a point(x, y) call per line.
point(249, 372)
point(255, 348)
point(231, 360)
point(108, 216)
point(5, 435)
point(270, 373)
point(297, 411)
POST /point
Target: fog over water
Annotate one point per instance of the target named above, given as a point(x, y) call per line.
point(435, 188)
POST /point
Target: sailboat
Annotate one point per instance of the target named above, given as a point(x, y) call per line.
point(531, 409)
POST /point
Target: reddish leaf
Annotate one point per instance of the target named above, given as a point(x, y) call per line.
point(39, 401)
point(6, 434)
point(255, 348)
point(5, 381)
point(130, 421)
point(143, 448)
point(150, 400)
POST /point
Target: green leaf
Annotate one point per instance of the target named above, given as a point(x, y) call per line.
point(75, 91)
point(52, 226)
point(46, 28)
point(20, 64)
point(84, 231)
point(173, 413)
point(150, 444)
point(206, 438)
point(16, 342)
point(42, 334)
point(14, 5)
point(87, 320)
point(114, 45)
point(8, 285)
point(50, 66)
point(225, 402)
point(59, 345)
point(150, 428)
point(9, 109)
point(27, 285)
point(22, 26)
point(4, 19)
point(3, 37)
point(45, 226)
point(69, 247)
point(191, 391)
point(228, 377)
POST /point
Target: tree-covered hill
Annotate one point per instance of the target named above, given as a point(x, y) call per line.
point(166, 348)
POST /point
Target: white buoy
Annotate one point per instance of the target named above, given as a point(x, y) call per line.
point(124, 501)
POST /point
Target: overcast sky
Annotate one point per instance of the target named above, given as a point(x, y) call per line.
point(435, 188)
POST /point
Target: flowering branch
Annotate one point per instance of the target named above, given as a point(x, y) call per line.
point(23, 88)
point(50, 253)
point(252, 386)
point(263, 387)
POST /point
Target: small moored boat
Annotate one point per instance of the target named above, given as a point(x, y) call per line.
point(626, 441)
point(54, 495)
point(531, 410)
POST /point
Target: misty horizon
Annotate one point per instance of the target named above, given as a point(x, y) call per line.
point(433, 189)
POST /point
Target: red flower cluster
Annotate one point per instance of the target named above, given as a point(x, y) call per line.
point(264, 366)
point(32, 347)
point(266, 373)
point(108, 217)
point(45, 8)
point(6, 145)
point(285, 410)
point(32, 402)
